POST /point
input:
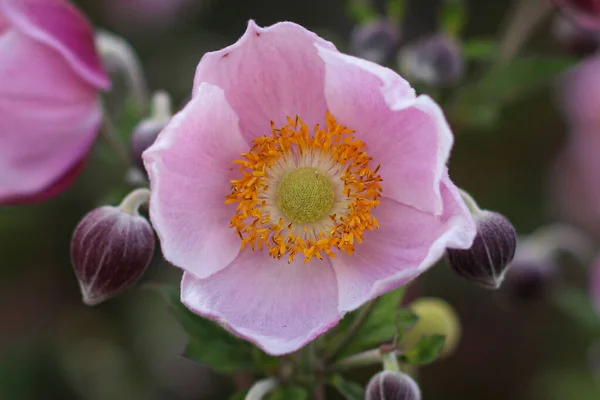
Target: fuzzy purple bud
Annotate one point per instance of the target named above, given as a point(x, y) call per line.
point(144, 134)
point(573, 38)
point(486, 262)
point(111, 248)
point(389, 385)
point(436, 61)
point(377, 41)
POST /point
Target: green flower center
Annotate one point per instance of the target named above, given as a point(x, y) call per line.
point(305, 195)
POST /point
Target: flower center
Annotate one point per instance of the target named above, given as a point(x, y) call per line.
point(305, 195)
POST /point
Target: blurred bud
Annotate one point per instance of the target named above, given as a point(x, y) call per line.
point(532, 271)
point(389, 385)
point(486, 262)
point(436, 317)
point(574, 38)
point(146, 132)
point(436, 61)
point(585, 13)
point(111, 248)
point(377, 41)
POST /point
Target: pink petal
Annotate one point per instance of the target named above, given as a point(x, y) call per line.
point(580, 94)
point(49, 117)
point(408, 242)
point(278, 306)
point(58, 25)
point(190, 166)
point(408, 136)
point(269, 74)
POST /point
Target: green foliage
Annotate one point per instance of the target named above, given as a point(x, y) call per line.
point(406, 319)
point(209, 343)
point(479, 104)
point(480, 49)
point(426, 351)
point(289, 393)
point(578, 305)
point(361, 11)
point(396, 9)
point(350, 390)
point(453, 16)
point(380, 325)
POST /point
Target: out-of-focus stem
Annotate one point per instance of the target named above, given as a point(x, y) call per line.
point(108, 132)
point(262, 388)
point(369, 357)
point(522, 20)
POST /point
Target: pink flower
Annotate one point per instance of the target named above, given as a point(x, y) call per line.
point(282, 226)
point(50, 111)
point(576, 177)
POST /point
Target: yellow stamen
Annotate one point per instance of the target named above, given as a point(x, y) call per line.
point(263, 221)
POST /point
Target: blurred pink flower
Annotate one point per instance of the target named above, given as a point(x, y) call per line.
point(327, 218)
point(50, 111)
point(576, 176)
point(585, 13)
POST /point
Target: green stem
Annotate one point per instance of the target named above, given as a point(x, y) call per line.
point(132, 202)
point(108, 132)
point(469, 201)
point(390, 362)
point(261, 388)
point(351, 331)
point(369, 357)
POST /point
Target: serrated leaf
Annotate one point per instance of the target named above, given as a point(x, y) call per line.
point(480, 49)
point(427, 350)
point(405, 321)
point(478, 104)
point(578, 305)
point(380, 326)
point(289, 393)
point(209, 343)
point(350, 390)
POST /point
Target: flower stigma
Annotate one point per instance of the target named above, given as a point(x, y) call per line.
point(305, 194)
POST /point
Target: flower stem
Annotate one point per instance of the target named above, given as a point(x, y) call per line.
point(131, 204)
point(369, 357)
point(390, 362)
point(351, 332)
point(108, 132)
point(261, 388)
point(469, 201)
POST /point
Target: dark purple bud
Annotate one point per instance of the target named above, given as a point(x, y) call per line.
point(377, 41)
point(111, 248)
point(573, 38)
point(389, 385)
point(146, 132)
point(436, 61)
point(584, 13)
point(486, 262)
point(532, 271)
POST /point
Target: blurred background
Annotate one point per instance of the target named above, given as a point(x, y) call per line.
point(54, 347)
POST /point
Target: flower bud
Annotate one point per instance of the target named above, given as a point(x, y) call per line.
point(573, 38)
point(486, 262)
point(532, 271)
point(376, 41)
point(111, 248)
point(146, 132)
point(584, 13)
point(436, 317)
point(389, 385)
point(436, 61)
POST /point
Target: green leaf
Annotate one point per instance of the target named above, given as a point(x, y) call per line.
point(427, 350)
point(578, 305)
point(453, 16)
point(396, 9)
point(380, 326)
point(480, 49)
point(350, 390)
point(361, 11)
point(405, 321)
point(289, 393)
point(479, 104)
point(209, 343)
